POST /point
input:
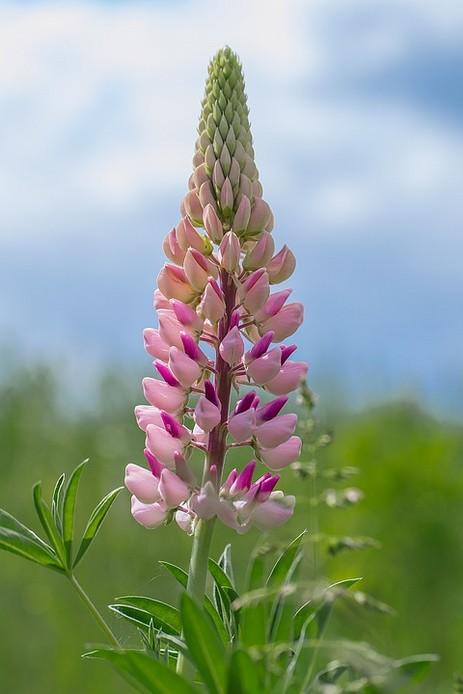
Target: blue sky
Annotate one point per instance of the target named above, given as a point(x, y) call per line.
point(357, 111)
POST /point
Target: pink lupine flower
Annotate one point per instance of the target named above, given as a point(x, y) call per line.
point(155, 345)
point(142, 483)
point(172, 489)
point(173, 283)
point(232, 347)
point(185, 369)
point(289, 378)
point(283, 455)
point(163, 396)
point(217, 325)
point(149, 515)
point(285, 322)
point(281, 266)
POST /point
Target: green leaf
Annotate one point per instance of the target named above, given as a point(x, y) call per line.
point(94, 522)
point(47, 522)
point(69, 504)
point(163, 615)
point(283, 564)
point(24, 546)
point(325, 609)
point(253, 617)
point(224, 595)
point(205, 647)
point(243, 677)
point(225, 563)
point(179, 574)
point(56, 501)
point(149, 675)
point(182, 577)
point(415, 666)
point(10, 522)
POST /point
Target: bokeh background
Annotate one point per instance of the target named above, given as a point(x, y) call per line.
point(356, 109)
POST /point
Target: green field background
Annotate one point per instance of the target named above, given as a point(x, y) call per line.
point(411, 471)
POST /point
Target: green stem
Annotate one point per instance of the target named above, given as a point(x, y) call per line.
point(197, 573)
point(93, 610)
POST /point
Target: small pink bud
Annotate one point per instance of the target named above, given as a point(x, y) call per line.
point(241, 426)
point(282, 455)
point(149, 515)
point(245, 403)
point(261, 215)
point(212, 304)
point(255, 290)
point(187, 316)
point(273, 512)
point(274, 303)
point(260, 347)
point(155, 345)
point(242, 215)
point(166, 373)
point(244, 480)
point(146, 414)
point(163, 396)
point(226, 486)
point(285, 322)
point(281, 266)
point(261, 253)
point(232, 347)
point(276, 431)
point(172, 489)
point(185, 370)
point(198, 269)
point(271, 409)
point(183, 470)
point(172, 248)
point(193, 207)
point(155, 465)
point(141, 482)
point(226, 197)
point(174, 428)
point(212, 224)
point(229, 252)
point(205, 503)
point(192, 350)
point(290, 376)
point(265, 368)
point(206, 195)
point(191, 238)
point(173, 283)
point(162, 444)
point(266, 487)
point(286, 352)
point(207, 414)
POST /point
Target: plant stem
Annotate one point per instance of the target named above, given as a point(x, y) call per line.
point(93, 610)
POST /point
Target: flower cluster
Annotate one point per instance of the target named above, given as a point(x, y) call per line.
point(220, 329)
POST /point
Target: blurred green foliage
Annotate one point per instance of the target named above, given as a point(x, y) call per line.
point(410, 469)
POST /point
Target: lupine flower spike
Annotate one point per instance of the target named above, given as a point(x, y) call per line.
point(220, 331)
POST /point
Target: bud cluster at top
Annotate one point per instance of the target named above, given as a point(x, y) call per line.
point(220, 330)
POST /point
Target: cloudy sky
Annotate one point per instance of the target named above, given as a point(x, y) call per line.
point(356, 107)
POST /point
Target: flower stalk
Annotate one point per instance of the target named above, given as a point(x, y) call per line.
point(221, 331)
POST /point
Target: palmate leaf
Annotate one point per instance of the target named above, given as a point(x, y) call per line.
point(224, 595)
point(205, 647)
point(48, 523)
point(143, 610)
point(69, 505)
point(148, 675)
point(181, 577)
point(94, 522)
